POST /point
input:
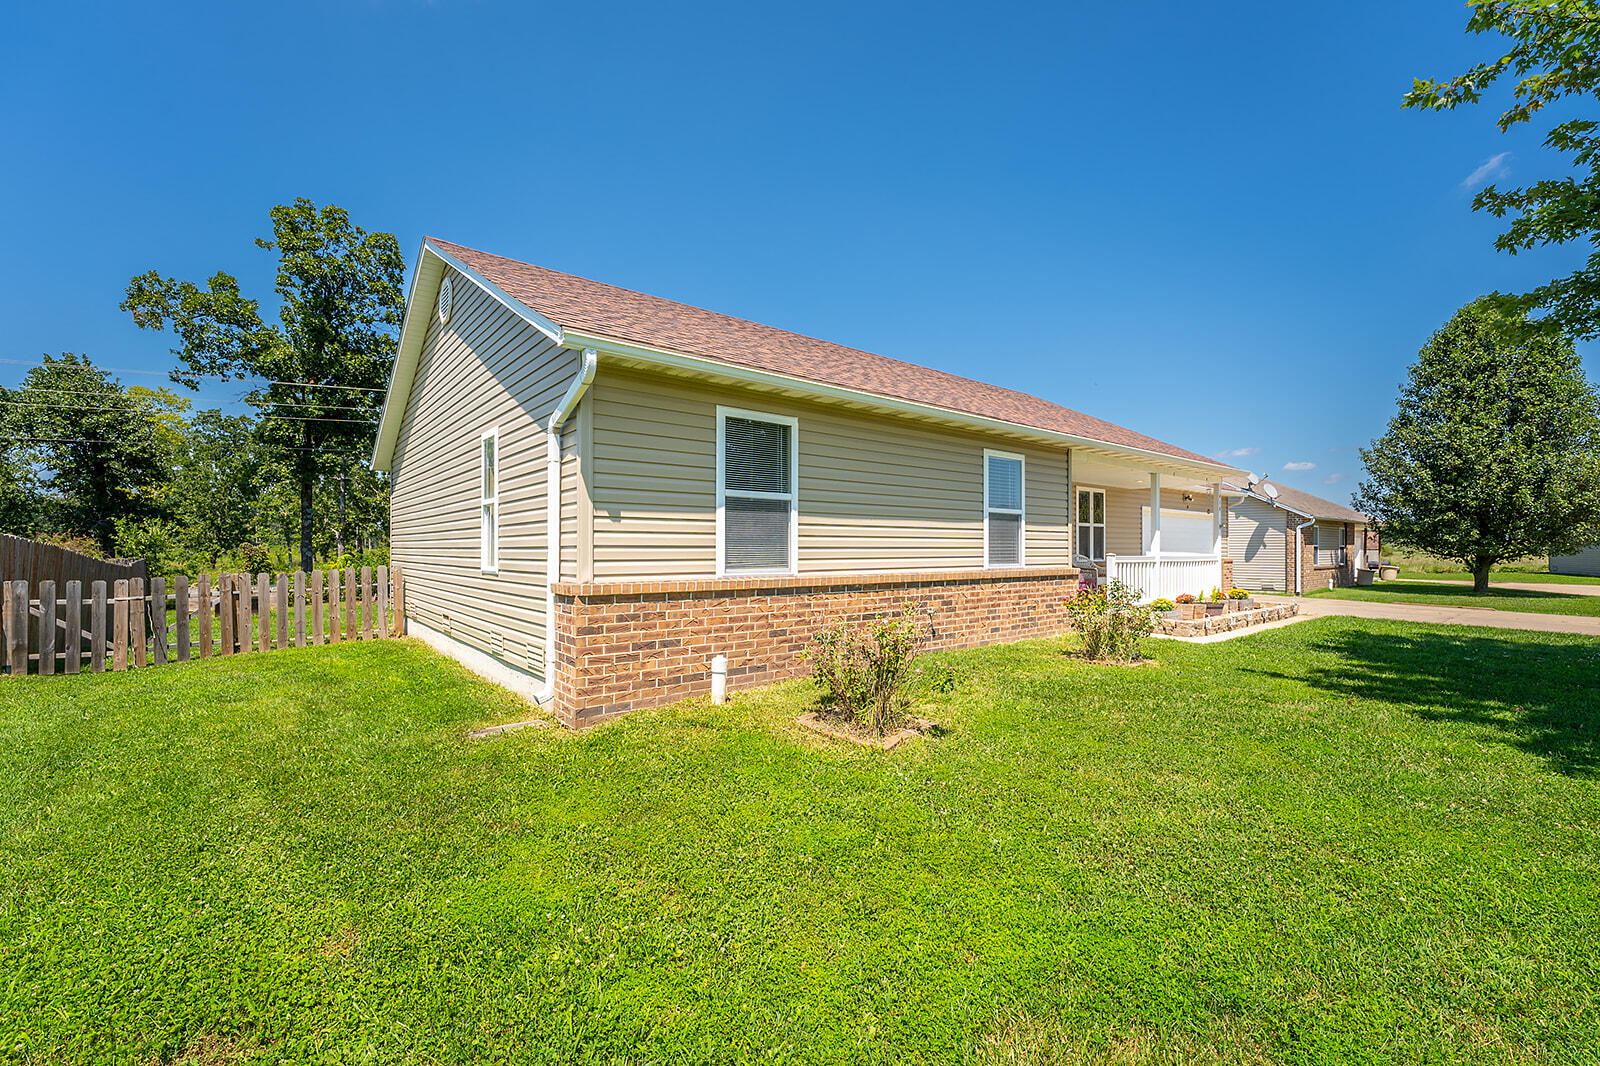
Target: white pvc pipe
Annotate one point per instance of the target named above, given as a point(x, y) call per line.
point(719, 678)
point(552, 522)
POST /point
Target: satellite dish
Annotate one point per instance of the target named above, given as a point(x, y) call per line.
point(1271, 491)
point(1250, 481)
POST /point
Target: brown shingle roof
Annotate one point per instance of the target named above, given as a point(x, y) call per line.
point(592, 307)
point(1304, 502)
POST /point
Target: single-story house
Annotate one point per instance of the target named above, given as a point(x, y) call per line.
point(1285, 540)
point(1585, 563)
point(599, 497)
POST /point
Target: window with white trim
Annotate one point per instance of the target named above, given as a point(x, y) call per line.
point(489, 501)
point(756, 497)
point(1330, 544)
point(1002, 510)
point(1091, 524)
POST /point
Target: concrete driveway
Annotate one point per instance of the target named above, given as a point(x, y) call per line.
point(1318, 607)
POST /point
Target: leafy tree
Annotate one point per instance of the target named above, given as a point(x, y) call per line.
point(216, 488)
point(324, 364)
point(1492, 454)
point(105, 452)
point(19, 495)
point(1554, 53)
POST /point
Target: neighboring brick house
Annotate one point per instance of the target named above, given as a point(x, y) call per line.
point(1272, 528)
point(595, 493)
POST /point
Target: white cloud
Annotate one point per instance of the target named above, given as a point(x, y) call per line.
point(1333, 479)
point(1240, 453)
point(1488, 170)
point(1297, 467)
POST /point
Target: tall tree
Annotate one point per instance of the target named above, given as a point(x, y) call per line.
point(323, 366)
point(1492, 454)
point(218, 483)
point(1554, 53)
point(106, 452)
point(19, 498)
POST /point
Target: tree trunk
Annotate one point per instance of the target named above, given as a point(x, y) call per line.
point(1480, 576)
point(308, 471)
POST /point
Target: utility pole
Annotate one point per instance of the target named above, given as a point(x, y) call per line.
point(339, 531)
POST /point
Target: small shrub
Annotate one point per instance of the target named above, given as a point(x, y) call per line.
point(862, 669)
point(1162, 604)
point(1111, 621)
point(253, 558)
point(1216, 595)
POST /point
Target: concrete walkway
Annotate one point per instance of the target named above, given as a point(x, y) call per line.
point(1525, 586)
point(1318, 607)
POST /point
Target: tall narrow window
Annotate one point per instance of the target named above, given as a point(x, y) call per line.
point(756, 499)
point(1003, 518)
point(1091, 524)
point(489, 502)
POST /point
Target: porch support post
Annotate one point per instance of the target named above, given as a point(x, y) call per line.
point(1216, 526)
point(1155, 536)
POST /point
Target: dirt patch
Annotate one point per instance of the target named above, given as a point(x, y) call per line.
point(496, 730)
point(340, 944)
point(1086, 661)
point(856, 735)
point(213, 1049)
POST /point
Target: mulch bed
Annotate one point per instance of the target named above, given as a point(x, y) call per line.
point(855, 734)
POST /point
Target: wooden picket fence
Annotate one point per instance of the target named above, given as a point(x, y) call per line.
point(134, 623)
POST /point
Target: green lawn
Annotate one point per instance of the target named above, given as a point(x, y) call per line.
point(1500, 576)
point(1341, 841)
point(1442, 595)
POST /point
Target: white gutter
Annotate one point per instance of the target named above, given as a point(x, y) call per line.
point(1176, 465)
point(552, 522)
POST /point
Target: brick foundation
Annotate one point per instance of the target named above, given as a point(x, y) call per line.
point(626, 645)
point(1227, 574)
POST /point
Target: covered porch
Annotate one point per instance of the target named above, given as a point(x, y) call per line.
point(1161, 529)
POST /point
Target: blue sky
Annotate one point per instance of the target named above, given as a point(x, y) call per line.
point(1212, 225)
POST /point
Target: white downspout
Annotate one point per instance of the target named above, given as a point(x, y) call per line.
point(552, 521)
point(1299, 553)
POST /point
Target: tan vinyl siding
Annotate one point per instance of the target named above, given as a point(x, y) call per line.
point(486, 368)
point(875, 494)
point(1125, 514)
point(1258, 545)
point(1585, 562)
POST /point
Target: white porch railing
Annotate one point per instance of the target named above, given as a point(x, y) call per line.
point(1166, 576)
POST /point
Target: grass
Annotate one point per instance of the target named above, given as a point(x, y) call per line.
point(1498, 576)
point(1442, 595)
point(1342, 841)
point(1411, 562)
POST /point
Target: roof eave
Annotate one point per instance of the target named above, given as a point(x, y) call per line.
point(431, 261)
point(1210, 470)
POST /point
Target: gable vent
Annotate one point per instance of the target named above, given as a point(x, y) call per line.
point(444, 300)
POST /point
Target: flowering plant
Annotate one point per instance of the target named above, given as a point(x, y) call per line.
point(1161, 604)
point(1185, 598)
point(1238, 594)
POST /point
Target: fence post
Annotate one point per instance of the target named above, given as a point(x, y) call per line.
point(17, 629)
point(280, 597)
point(381, 628)
point(399, 601)
point(244, 632)
point(263, 612)
point(180, 607)
point(350, 603)
point(366, 603)
point(299, 608)
point(225, 611)
point(47, 627)
point(158, 619)
point(119, 625)
point(97, 627)
point(333, 607)
point(72, 642)
point(136, 634)
point(316, 606)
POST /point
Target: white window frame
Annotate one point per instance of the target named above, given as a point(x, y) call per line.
point(1021, 512)
point(793, 495)
point(489, 561)
point(1077, 526)
point(1333, 553)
